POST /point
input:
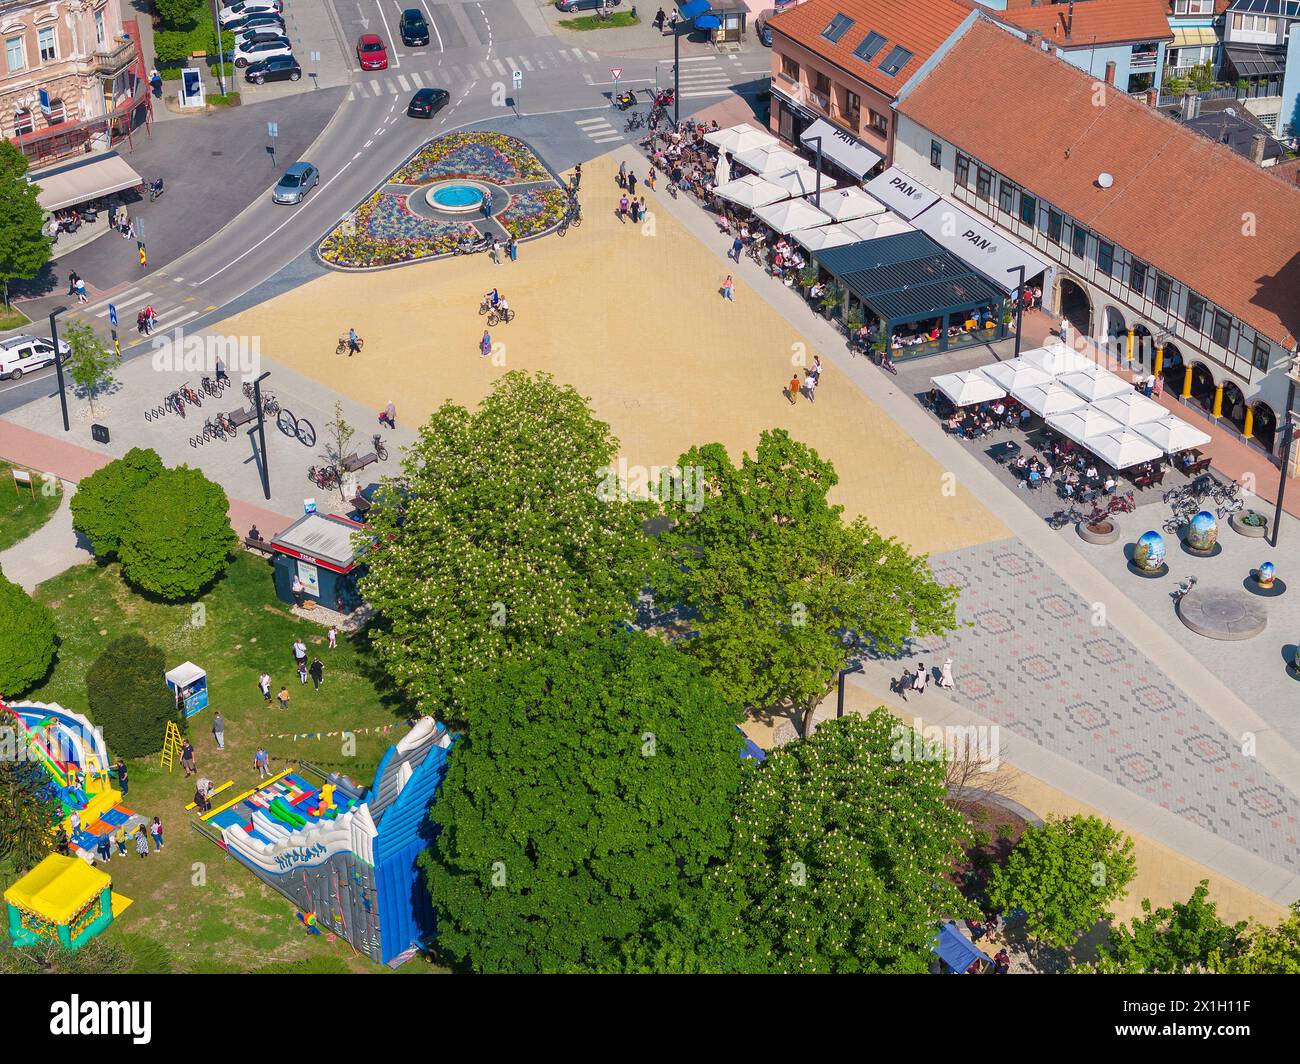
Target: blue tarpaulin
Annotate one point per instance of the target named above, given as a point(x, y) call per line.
point(695, 7)
point(956, 950)
point(707, 22)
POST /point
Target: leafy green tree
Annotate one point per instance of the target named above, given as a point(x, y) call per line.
point(29, 813)
point(1265, 951)
point(1170, 940)
point(1064, 875)
point(27, 639)
point(177, 537)
point(176, 14)
point(497, 539)
point(99, 505)
point(596, 783)
point(24, 247)
point(777, 585)
point(90, 364)
point(839, 861)
point(127, 697)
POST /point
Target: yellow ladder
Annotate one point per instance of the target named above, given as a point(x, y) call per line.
point(171, 745)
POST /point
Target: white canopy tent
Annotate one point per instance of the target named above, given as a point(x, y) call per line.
point(1122, 449)
point(1049, 399)
point(801, 181)
point(1095, 383)
point(789, 216)
point(722, 170)
point(877, 226)
point(845, 204)
point(1131, 409)
point(1015, 374)
point(743, 137)
point(1079, 425)
point(967, 387)
point(826, 236)
point(769, 158)
point(751, 191)
point(1172, 434)
point(1057, 358)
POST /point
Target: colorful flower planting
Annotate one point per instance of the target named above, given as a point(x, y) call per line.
point(383, 231)
point(534, 211)
point(473, 154)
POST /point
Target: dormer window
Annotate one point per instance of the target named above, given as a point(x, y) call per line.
point(895, 61)
point(870, 47)
point(840, 25)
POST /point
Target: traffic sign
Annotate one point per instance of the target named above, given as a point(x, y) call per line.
point(616, 72)
point(272, 129)
point(112, 315)
point(518, 76)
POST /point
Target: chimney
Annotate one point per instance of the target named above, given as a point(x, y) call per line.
point(1069, 21)
point(1110, 73)
point(1191, 106)
point(1257, 149)
point(1034, 38)
point(1153, 96)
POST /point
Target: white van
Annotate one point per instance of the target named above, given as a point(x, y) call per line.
point(23, 354)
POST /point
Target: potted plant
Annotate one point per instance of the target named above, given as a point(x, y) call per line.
point(1249, 523)
point(832, 298)
point(807, 277)
point(1102, 530)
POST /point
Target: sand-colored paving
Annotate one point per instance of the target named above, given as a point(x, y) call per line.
point(632, 317)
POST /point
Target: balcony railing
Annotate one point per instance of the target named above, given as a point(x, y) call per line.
point(1142, 64)
point(113, 56)
point(821, 99)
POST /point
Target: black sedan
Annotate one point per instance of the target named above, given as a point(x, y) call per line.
point(427, 102)
point(412, 27)
point(274, 68)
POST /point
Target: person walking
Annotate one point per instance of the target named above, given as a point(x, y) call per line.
point(793, 389)
point(921, 678)
point(816, 370)
point(485, 345)
point(1158, 388)
point(144, 259)
point(636, 212)
point(73, 278)
point(728, 290)
point(302, 671)
point(390, 415)
point(512, 249)
point(124, 222)
point(156, 830)
point(660, 18)
point(187, 759)
point(622, 175)
point(810, 386)
point(80, 287)
point(120, 839)
point(672, 21)
point(261, 761)
point(299, 651)
point(264, 685)
point(219, 730)
point(631, 182)
point(495, 253)
point(283, 697)
point(222, 375)
point(1064, 330)
point(576, 181)
point(737, 246)
point(651, 178)
point(945, 676)
point(141, 842)
point(123, 780)
point(105, 849)
point(643, 208)
point(317, 673)
point(333, 636)
point(622, 209)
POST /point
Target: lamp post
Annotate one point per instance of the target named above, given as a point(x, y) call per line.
point(677, 69)
point(839, 703)
point(1288, 439)
point(58, 365)
point(817, 194)
point(1020, 304)
point(261, 433)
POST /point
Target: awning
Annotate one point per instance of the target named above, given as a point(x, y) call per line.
point(1050, 399)
point(1193, 36)
point(956, 950)
point(1055, 358)
point(798, 182)
point(994, 254)
point(695, 7)
point(845, 204)
point(739, 138)
point(792, 215)
point(1131, 409)
point(84, 180)
point(1095, 383)
point(750, 191)
point(968, 387)
point(1015, 374)
point(769, 158)
point(1256, 60)
point(841, 147)
point(901, 192)
point(1119, 450)
point(1079, 425)
point(1172, 434)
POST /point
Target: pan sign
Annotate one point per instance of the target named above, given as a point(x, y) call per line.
point(901, 192)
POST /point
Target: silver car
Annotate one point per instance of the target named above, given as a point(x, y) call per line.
point(297, 181)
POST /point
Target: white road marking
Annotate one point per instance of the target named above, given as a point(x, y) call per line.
point(419, 84)
point(606, 138)
point(429, 19)
point(367, 143)
point(378, 91)
point(123, 304)
point(406, 85)
point(527, 64)
point(591, 122)
point(397, 62)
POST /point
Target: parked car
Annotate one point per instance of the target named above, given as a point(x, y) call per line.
point(371, 52)
point(412, 27)
point(297, 181)
point(277, 68)
point(260, 35)
point(257, 20)
point(231, 12)
point(583, 5)
point(25, 354)
point(764, 30)
point(427, 102)
point(252, 52)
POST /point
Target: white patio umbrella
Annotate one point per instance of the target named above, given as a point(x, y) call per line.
point(750, 191)
point(788, 216)
point(769, 158)
point(722, 171)
point(1079, 425)
point(1172, 434)
point(1014, 374)
point(825, 236)
point(967, 387)
point(1056, 358)
point(1123, 449)
point(1048, 399)
point(1095, 383)
point(1131, 409)
point(877, 226)
point(739, 138)
point(802, 180)
point(845, 204)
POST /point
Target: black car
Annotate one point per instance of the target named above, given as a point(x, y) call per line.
point(427, 102)
point(276, 68)
point(412, 28)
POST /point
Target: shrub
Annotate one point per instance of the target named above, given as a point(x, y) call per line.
point(27, 639)
point(128, 698)
point(101, 500)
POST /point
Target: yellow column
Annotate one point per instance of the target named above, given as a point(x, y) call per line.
point(1218, 400)
point(1128, 347)
point(1187, 383)
point(1160, 357)
point(1248, 429)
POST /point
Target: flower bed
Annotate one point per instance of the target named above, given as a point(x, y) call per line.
point(384, 231)
point(534, 211)
point(473, 154)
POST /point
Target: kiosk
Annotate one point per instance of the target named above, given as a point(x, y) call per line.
point(189, 686)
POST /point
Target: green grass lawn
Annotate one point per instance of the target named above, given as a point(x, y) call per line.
point(592, 22)
point(13, 318)
point(212, 913)
point(20, 513)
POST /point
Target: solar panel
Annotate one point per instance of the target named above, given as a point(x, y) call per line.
point(895, 60)
point(871, 44)
point(840, 25)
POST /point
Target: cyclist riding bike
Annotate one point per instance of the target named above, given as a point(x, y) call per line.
point(354, 343)
point(502, 308)
point(492, 298)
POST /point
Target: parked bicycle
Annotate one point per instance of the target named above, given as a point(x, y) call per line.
point(1069, 516)
point(1183, 589)
point(301, 428)
point(214, 387)
point(324, 477)
point(190, 395)
point(381, 451)
point(270, 407)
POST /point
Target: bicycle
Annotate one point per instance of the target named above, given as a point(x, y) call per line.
point(215, 429)
point(1069, 516)
point(300, 428)
point(381, 451)
point(345, 344)
point(176, 402)
point(501, 316)
point(190, 395)
point(269, 404)
point(1183, 589)
point(324, 477)
point(214, 387)
point(636, 120)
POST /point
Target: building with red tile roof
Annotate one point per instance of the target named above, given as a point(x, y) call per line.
point(1089, 23)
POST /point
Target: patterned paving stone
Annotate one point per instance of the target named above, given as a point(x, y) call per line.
point(1033, 660)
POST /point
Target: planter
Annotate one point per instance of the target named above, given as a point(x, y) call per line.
point(1101, 533)
point(1250, 531)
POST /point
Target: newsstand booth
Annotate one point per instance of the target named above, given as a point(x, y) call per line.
point(318, 550)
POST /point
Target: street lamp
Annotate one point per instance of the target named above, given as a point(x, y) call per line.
point(1288, 439)
point(261, 433)
point(839, 704)
point(817, 194)
point(58, 365)
point(1020, 304)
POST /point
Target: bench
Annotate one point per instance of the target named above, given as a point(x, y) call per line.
point(1151, 480)
point(1199, 466)
point(241, 416)
point(353, 462)
point(361, 504)
point(257, 543)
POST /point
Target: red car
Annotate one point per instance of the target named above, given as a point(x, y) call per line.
point(371, 52)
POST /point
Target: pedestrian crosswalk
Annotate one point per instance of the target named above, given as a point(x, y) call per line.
point(472, 70)
point(170, 310)
point(704, 78)
point(598, 130)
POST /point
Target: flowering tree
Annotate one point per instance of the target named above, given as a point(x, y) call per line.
point(495, 540)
